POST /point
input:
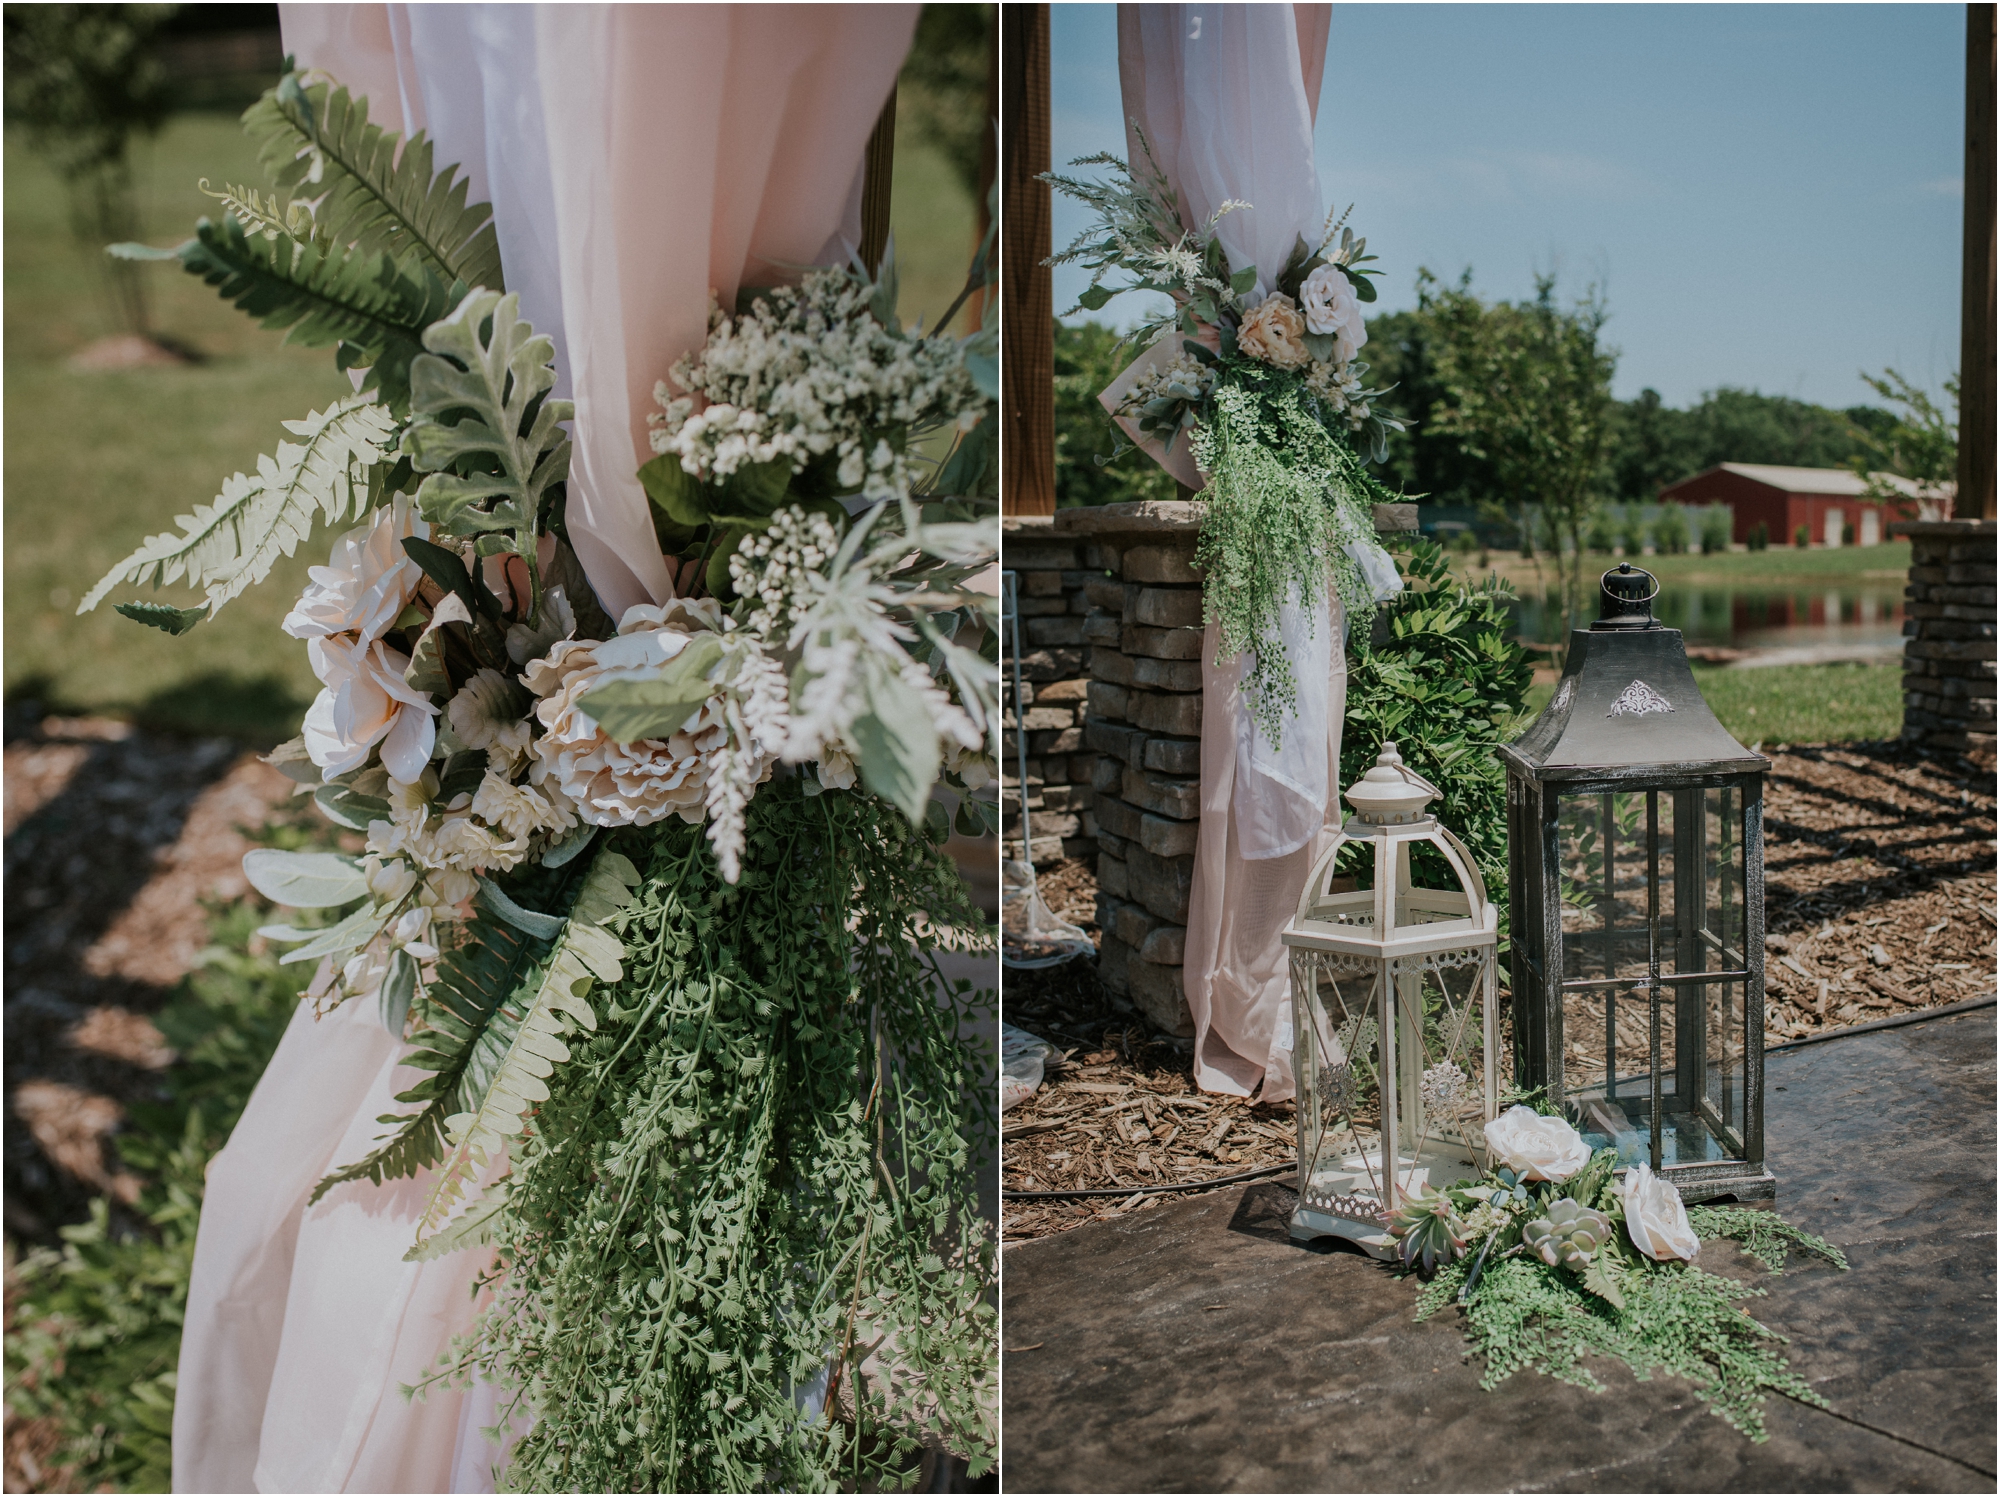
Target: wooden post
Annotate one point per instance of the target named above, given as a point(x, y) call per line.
point(1027, 298)
point(877, 178)
point(1976, 434)
point(989, 166)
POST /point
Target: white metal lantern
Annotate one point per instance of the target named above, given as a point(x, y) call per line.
point(1393, 953)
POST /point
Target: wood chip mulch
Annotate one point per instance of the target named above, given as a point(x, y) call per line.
point(1879, 901)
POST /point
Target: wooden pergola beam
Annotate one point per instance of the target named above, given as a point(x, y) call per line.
point(1027, 297)
point(1976, 391)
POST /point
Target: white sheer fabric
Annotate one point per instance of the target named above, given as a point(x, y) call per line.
point(1226, 96)
point(635, 156)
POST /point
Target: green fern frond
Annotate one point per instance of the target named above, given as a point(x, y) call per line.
point(465, 1030)
point(317, 140)
point(372, 305)
point(585, 951)
point(272, 217)
point(233, 543)
point(499, 378)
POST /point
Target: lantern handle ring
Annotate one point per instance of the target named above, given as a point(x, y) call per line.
point(1626, 569)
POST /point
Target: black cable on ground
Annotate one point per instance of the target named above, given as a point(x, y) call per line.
point(1894, 1021)
point(1942, 1011)
point(1148, 1190)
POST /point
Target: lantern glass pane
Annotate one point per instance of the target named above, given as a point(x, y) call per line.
point(1651, 883)
point(1335, 1056)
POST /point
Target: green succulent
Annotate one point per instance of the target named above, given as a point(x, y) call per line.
point(1569, 1235)
point(1427, 1232)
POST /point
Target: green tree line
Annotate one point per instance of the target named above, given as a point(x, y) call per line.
point(1449, 458)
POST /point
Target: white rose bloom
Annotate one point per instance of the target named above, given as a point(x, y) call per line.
point(1330, 306)
point(1655, 1219)
point(368, 581)
point(624, 784)
point(1537, 1147)
point(367, 702)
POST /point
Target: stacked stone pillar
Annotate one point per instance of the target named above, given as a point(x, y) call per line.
point(1948, 621)
point(1054, 688)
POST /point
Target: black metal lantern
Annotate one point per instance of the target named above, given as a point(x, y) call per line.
point(1636, 868)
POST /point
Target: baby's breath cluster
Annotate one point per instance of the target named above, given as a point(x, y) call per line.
point(775, 567)
point(807, 372)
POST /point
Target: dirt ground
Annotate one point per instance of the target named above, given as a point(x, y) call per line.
point(1879, 900)
point(114, 838)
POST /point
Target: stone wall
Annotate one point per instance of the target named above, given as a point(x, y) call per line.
point(1948, 618)
point(1145, 639)
point(1055, 688)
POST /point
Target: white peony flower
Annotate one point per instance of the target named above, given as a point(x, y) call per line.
point(520, 810)
point(837, 770)
point(367, 702)
point(623, 784)
point(368, 581)
point(1537, 1147)
point(490, 712)
point(974, 768)
point(1330, 306)
point(1655, 1219)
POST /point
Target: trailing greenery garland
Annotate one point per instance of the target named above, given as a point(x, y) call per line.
point(1285, 499)
point(761, 1164)
point(1675, 1318)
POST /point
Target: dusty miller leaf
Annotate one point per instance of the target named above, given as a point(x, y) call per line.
point(489, 380)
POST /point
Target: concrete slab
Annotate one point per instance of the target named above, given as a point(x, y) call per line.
point(1193, 1347)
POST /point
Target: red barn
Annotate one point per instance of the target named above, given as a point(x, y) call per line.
point(1824, 500)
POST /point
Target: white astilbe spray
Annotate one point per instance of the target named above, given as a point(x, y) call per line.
point(754, 708)
point(806, 372)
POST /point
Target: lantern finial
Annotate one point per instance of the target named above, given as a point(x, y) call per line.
point(1391, 794)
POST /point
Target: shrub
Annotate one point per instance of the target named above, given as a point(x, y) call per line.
point(98, 1325)
point(1802, 537)
point(1670, 530)
point(1632, 531)
point(1716, 524)
point(1446, 678)
point(1759, 537)
point(1602, 537)
point(1847, 535)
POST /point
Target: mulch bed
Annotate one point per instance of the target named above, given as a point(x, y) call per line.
point(1879, 866)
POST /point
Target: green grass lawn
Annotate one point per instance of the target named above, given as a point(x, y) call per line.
point(1777, 567)
point(1795, 703)
point(95, 462)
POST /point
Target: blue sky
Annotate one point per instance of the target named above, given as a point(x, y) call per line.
point(1770, 195)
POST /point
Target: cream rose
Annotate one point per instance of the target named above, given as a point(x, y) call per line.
point(1330, 306)
point(367, 702)
point(625, 784)
point(366, 583)
point(1655, 1219)
point(1274, 332)
point(1537, 1147)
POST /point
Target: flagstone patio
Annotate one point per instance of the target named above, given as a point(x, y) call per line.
point(1193, 1347)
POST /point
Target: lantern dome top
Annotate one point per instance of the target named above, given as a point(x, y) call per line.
point(1391, 794)
point(1627, 702)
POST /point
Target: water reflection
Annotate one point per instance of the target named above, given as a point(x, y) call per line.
point(1846, 614)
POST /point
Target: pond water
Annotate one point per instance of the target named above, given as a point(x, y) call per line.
point(1846, 614)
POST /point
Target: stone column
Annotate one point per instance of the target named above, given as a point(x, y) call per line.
point(1948, 622)
point(1054, 688)
point(1144, 632)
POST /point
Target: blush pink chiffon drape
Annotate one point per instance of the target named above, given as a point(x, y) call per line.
point(636, 157)
point(1226, 98)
